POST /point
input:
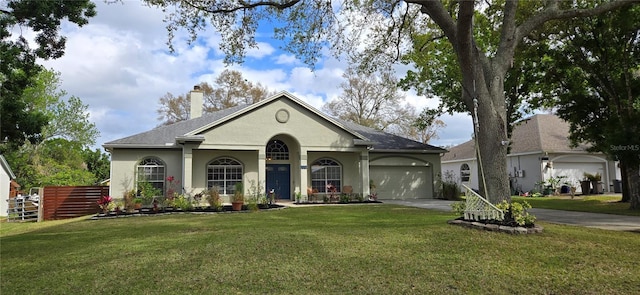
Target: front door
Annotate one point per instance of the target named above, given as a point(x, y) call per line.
point(278, 180)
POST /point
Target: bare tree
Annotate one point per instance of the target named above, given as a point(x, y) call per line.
point(230, 89)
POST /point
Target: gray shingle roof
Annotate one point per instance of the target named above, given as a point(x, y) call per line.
point(387, 141)
point(538, 133)
point(162, 135)
point(165, 136)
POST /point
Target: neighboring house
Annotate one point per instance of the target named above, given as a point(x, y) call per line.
point(6, 176)
point(540, 149)
point(279, 143)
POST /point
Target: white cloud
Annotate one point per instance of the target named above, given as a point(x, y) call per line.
point(286, 59)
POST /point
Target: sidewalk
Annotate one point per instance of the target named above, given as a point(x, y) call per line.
point(594, 220)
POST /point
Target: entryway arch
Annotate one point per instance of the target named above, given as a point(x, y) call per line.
point(282, 156)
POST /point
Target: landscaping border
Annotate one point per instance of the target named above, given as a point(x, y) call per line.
point(495, 227)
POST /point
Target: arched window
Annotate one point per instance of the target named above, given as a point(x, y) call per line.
point(151, 170)
point(277, 150)
point(465, 173)
point(326, 174)
point(224, 173)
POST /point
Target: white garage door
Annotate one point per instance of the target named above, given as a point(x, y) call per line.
point(575, 171)
point(401, 182)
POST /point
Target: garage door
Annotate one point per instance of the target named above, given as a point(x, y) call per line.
point(575, 171)
point(401, 182)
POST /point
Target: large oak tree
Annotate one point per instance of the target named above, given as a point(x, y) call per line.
point(382, 28)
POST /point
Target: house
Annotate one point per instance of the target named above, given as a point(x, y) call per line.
point(540, 149)
point(279, 143)
point(6, 181)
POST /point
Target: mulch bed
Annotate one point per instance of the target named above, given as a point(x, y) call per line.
point(171, 210)
point(496, 225)
point(337, 203)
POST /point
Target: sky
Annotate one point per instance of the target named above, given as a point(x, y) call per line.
point(120, 65)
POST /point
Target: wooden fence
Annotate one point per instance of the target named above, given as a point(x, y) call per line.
point(61, 202)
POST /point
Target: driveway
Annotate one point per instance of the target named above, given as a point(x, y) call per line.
point(594, 220)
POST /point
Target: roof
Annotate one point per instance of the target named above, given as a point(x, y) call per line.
point(6, 167)
point(537, 134)
point(166, 136)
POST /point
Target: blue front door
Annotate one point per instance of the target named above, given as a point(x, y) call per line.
point(278, 180)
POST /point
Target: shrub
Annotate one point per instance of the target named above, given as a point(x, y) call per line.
point(345, 198)
point(213, 197)
point(450, 188)
point(182, 202)
point(517, 212)
point(459, 207)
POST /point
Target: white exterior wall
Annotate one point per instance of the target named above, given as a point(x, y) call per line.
point(454, 168)
point(5, 186)
point(535, 170)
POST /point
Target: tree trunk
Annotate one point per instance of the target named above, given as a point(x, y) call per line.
point(492, 141)
point(632, 182)
point(626, 197)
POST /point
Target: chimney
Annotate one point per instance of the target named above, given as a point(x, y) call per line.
point(196, 102)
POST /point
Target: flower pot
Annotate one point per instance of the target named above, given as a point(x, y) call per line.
point(597, 187)
point(237, 206)
point(585, 186)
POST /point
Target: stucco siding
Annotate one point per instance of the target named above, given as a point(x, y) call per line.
point(124, 161)
point(252, 130)
point(350, 167)
point(201, 158)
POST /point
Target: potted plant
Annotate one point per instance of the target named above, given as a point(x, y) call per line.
point(585, 184)
point(597, 185)
point(237, 200)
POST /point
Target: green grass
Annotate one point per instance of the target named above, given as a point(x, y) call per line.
point(360, 249)
point(594, 204)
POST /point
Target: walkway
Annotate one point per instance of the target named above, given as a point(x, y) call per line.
point(594, 220)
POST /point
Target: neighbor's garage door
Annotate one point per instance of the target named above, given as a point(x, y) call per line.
point(402, 182)
point(575, 171)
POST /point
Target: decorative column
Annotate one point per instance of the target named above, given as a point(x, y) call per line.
point(187, 168)
point(262, 167)
point(304, 174)
point(364, 171)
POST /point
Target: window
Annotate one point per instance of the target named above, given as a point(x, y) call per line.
point(465, 172)
point(224, 173)
point(277, 150)
point(151, 170)
point(326, 173)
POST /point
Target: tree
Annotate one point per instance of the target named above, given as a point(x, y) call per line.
point(593, 81)
point(230, 89)
point(382, 28)
point(18, 67)
point(97, 163)
point(54, 156)
point(369, 100)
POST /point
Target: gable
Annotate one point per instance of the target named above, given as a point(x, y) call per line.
point(282, 116)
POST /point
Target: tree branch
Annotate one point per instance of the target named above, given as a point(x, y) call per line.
point(244, 5)
point(551, 12)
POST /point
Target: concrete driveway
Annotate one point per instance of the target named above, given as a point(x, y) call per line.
point(594, 220)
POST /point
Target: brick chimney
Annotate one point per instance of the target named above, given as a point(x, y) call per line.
point(196, 102)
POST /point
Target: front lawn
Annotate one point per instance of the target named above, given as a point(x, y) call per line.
point(356, 249)
point(594, 204)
